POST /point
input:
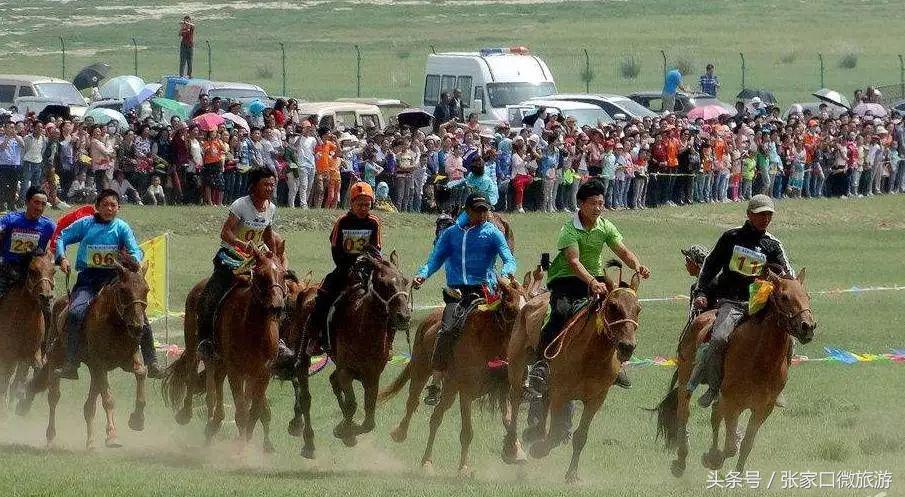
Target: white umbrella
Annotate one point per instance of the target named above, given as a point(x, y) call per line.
point(237, 120)
point(122, 87)
point(832, 97)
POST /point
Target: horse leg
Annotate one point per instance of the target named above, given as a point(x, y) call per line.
point(236, 385)
point(416, 386)
point(536, 421)
point(580, 437)
point(108, 404)
point(713, 458)
point(556, 409)
point(256, 393)
point(23, 393)
point(303, 407)
point(185, 412)
point(213, 400)
point(683, 410)
point(346, 400)
point(266, 416)
point(53, 398)
point(466, 434)
point(90, 408)
point(447, 397)
point(137, 418)
point(731, 413)
point(512, 448)
point(758, 416)
point(6, 372)
point(295, 424)
point(371, 386)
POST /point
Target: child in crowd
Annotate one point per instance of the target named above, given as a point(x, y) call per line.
point(155, 195)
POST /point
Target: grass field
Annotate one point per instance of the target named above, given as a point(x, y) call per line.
point(839, 417)
point(780, 39)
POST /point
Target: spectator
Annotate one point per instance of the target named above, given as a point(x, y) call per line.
point(155, 195)
point(125, 190)
point(710, 82)
point(186, 46)
point(441, 112)
point(672, 83)
point(32, 161)
point(456, 107)
point(80, 191)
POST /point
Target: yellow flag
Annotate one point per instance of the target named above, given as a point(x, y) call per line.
point(155, 257)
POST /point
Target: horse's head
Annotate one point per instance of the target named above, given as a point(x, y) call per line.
point(792, 304)
point(390, 288)
point(619, 312)
point(268, 283)
point(130, 295)
point(513, 298)
point(533, 284)
point(39, 280)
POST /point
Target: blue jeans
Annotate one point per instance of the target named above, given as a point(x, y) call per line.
point(31, 175)
point(777, 185)
point(721, 186)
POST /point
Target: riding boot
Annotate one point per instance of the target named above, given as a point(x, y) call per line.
point(316, 327)
point(536, 380)
point(219, 283)
point(284, 364)
point(432, 395)
point(148, 354)
point(70, 369)
point(715, 377)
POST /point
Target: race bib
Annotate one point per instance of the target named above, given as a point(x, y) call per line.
point(249, 234)
point(747, 262)
point(102, 256)
point(355, 241)
point(23, 242)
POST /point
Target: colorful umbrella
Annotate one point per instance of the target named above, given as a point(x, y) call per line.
point(209, 121)
point(104, 116)
point(875, 110)
point(122, 87)
point(146, 93)
point(707, 112)
point(256, 107)
point(237, 120)
point(172, 106)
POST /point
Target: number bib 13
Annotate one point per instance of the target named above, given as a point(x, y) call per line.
point(746, 261)
point(102, 256)
point(23, 242)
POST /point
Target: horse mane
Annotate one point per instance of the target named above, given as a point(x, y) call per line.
point(617, 264)
point(129, 262)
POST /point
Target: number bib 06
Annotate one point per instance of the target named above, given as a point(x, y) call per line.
point(23, 242)
point(102, 256)
point(746, 261)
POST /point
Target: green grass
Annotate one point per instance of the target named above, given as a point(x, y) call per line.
point(839, 417)
point(394, 41)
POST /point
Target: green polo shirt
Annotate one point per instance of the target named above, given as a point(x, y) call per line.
point(589, 243)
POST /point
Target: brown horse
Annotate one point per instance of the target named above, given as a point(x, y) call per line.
point(484, 338)
point(247, 331)
point(365, 320)
point(584, 362)
point(755, 372)
point(110, 336)
point(22, 328)
point(291, 332)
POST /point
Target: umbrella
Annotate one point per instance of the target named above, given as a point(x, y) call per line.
point(256, 107)
point(766, 96)
point(91, 76)
point(415, 118)
point(875, 110)
point(237, 120)
point(174, 107)
point(54, 111)
point(122, 87)
point(209, 121)
point(16, 118)
point(146, 93)
point(104, 116)
point(832, 97)
point(708, 112)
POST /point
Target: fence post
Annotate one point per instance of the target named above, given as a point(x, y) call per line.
point(209, 67)
point(901, 76)
point(63, 49)
point(820, 56)
point(433, 51)
point(664, 62)
point(283, 50)
point(135, 55)
point(740, 54)
point(358, 70)
point(587, 71)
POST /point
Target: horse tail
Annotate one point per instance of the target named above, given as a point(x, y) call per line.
point(180, 379)
point(397, 384)
point(668, 414)
point(496, 388)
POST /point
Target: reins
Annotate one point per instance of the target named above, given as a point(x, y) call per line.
point(557, 344)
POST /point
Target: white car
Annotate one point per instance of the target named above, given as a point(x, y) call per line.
point(614, 105)
point(584, 114)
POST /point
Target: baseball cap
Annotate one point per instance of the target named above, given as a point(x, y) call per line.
point(477, 201)
point(361, 189)
point(695, 253)
point(760, 203)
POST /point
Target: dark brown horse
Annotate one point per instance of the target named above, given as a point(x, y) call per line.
point(364, 322)
point(110, 336)
point(584, 362)
point(756, 366)
point(485, 336)
point(291, 331)
point(247, 331)
point(22, 326)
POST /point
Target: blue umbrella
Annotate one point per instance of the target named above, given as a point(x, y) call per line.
point(122, 87)
point(256, 107)
point(146, 93)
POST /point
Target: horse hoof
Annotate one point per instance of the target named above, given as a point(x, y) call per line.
point(183, 417)
point(572, 478)
point(427, 468)
point(22, 407)
point(350, 441)
point(539, 450)
point(532, 434)
point(712, 460)
point(466, 472)
point(513, 454)
point(677, 468)
point(112, 443)
point(268, 447)
point(50, 435)
point(295, 427)
point(362, 429)
point(137, 422)
point(398, 435)
point(308, 452)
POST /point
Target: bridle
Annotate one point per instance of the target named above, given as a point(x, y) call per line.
point(120, 308)
point(608, 325)
point(30, 286)
point(787, 318)
point(387, 301)
point(558, 343)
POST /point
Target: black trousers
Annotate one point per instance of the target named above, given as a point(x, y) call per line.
point(452, 323)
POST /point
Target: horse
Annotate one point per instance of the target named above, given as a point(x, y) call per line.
point(22, 331)
point(756, 367)
point(364, 321)
point(291, 332)
point(112, 329)
point(584, 362)
point(247, 331)
point(484, 337)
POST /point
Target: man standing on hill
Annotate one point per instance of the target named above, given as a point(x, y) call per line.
point(672, 84)
point(186, 47)
point(710, 83)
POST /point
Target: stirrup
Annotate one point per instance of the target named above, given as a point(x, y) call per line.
point(536, 381)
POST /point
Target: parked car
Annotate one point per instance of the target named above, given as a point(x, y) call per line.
point(614, 105)
point(584, 113)
point(343, 114)
point(226, 90)
point(899, 106)
point(653, 100)
point(31, 93)
point(389, 107)
point(814, 107)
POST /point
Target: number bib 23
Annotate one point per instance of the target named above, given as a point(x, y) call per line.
point(23, 242)
point(102, 256)
point(746, 261)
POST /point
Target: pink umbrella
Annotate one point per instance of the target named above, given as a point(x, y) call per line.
point(237, 120)
point(707, 112)
point(209, 121)
point(875, 110)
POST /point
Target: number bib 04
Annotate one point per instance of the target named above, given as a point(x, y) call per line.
point(746, 261)
point(102, 256)
point(354, 241)
point(23, 242)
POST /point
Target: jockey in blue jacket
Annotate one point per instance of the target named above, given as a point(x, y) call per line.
point(100, 238)
point(467, 250)
point(23, 234)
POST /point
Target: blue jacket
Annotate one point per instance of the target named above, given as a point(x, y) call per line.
point(468, 254)
point(99, 243)
point(19, 237)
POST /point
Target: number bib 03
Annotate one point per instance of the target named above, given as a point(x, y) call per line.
point(746, 261)
point(23, 242)
point(102, 256)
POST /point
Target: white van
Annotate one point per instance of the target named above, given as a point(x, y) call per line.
point(31, 93)
point(345, 115)
point(490, 80)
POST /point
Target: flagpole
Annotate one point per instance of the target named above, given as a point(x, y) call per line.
point(166, 293)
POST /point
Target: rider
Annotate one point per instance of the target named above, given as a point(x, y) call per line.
point(740, 255)
point(576, 271)
point(467, 250)
point(249, 223)
point(21, 235)
point(100, 238)
point(355, 231)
